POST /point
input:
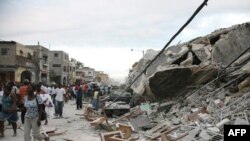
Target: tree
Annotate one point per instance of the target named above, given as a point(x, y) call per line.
point(79, 65)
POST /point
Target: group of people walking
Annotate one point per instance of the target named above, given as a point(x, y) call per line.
point(88, 92)
point(28, 100)
point(37, 102)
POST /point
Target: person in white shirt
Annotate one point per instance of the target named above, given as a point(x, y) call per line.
point(47, 101)
point(60, 92)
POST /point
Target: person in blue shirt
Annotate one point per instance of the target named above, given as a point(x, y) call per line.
point(9, 110)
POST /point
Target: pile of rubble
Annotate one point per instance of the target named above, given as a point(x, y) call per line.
point(195, 98)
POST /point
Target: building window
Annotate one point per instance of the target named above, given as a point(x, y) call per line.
point(89, 72)
point(55, 54)
point(29, 56)
point(64, 68)
point(45, 59)
point(4, 51)
point(56, 65)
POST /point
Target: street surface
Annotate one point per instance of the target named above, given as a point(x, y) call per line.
point(76, 127)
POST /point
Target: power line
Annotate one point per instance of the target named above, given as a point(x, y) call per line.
point(165, 47)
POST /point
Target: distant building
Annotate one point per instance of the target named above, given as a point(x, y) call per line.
point(86, 73)
point(16, 62)
point(59, 67)
point(41, 61)
point(72, 71)
point(101, 77)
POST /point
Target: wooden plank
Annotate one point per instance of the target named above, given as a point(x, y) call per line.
point(97, 121)
point(114, 138)
point(165, 132)
point(126, 129)
point(122, 117)
point(58, 132)
point(163, 137)
point(105, 136)
point(170, 130)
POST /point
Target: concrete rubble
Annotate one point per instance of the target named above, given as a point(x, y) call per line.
point(188, 106)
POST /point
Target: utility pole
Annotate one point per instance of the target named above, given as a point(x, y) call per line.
point(138, 50)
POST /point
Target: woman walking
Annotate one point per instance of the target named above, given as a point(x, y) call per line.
point(33, 104)
point(9, 111)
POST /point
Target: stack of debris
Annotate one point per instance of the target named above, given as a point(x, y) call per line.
point(199, 98)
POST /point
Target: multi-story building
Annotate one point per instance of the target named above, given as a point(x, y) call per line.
point(101, 77)
point(41, 61)
point(79, 75)
point(86, 73)
point(16, 62)
point(59, 67)
point(89, 74)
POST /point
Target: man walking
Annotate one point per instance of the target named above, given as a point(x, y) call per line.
point(60, 93)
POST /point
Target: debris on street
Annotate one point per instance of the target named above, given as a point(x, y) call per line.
point(189, 97)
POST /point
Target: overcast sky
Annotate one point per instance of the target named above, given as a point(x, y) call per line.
point(101, 33)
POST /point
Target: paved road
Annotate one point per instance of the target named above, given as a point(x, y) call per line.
point(77, 128)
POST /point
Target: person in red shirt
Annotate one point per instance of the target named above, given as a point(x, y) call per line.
point(22, 93)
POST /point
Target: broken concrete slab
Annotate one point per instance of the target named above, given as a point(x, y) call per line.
point(201, 51)
point(232, 44)
point(205, 136)
point(188, 61)
point(214, 129)
point(163, 86)
point(140, 122)
point(221, 124)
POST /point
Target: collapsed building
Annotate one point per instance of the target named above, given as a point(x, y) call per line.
point(197, 87)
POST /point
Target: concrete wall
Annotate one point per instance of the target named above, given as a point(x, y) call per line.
point(10, 58)
point(63, 60)
point(39, 53)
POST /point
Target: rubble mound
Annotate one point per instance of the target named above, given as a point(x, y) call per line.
point(184, 67)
